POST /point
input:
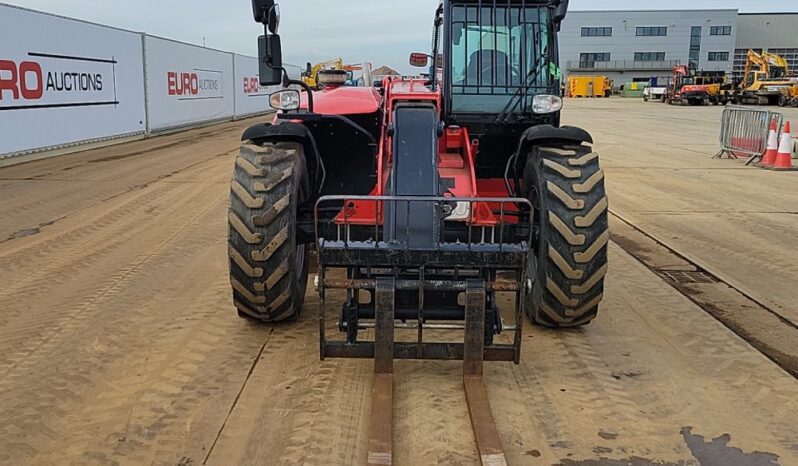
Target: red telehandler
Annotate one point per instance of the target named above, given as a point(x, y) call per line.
point(425, 200)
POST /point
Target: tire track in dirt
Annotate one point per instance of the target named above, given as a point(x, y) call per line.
point(67, 382)
point(81, 244)
point(430, 412)
point(44, 355)
point(656, 371)
point(68, 163)
point(173, 404)
point(623, 389)
point(524, 395)
point(74, 189)
point(296, 409)
point(75, 401)
point(73, 260)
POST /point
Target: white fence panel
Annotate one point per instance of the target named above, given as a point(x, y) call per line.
point(186, 84)
point(251, 97)
point(65, 81)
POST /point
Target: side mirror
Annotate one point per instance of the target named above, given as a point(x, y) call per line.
point(270, 60)
point(419, 60)
point(261, 9)
point(273, 22)
point(560, 11)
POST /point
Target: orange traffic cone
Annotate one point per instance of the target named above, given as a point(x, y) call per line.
point(784, 157)
point(773, 146)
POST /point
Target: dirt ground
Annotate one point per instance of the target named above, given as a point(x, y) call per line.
point(738, 222)
point(119, 344)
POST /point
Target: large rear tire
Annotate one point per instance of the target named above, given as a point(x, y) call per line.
point(565, 184)
point(268, 269)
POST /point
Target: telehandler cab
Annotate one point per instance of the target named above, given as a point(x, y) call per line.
point(425, 201)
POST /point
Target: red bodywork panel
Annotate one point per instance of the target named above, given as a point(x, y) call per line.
point(456, 150)
point(693, 88)
point(344, 100)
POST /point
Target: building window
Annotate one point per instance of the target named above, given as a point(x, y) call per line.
point(652, 31)
point(695, 46)
point(720, 30)
point(649, 56)
point(596, 32)
point(718, 56)
point(588, 60)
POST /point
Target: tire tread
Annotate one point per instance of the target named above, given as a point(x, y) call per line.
point(261, 223)
point(572, 260)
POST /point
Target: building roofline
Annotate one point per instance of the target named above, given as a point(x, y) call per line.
point(795, 13)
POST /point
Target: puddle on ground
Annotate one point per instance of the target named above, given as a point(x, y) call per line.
point(633, 461)
point(24, 233)
point(715, 452)
point(718, 452)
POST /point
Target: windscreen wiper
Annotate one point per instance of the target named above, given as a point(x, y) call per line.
point(521, 94)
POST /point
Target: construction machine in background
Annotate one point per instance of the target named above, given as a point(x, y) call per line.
point(691, 87)
point(789, 96)
point(766, 75)
point(431, 204)
point(311, 74)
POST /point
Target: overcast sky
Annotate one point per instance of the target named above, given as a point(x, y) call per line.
point(381, 31)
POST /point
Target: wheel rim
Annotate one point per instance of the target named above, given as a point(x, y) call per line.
point(537, 233)
point(300, 261)
point(300, 250)
point(534, 199)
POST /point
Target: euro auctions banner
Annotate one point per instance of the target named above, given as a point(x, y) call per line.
point(187, 84)
point(64, 81)
point(251, 97)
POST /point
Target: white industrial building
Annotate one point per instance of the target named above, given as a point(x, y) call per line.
point(635, 45)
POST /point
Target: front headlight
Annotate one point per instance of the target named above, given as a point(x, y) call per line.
point(285, 100)
point(546, 104)
point(461, 211)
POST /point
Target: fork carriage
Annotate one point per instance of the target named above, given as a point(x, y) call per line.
point(451, 274)
point(428, 283)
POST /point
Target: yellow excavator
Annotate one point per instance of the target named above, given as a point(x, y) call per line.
point(766, 77)
point(311, 74)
